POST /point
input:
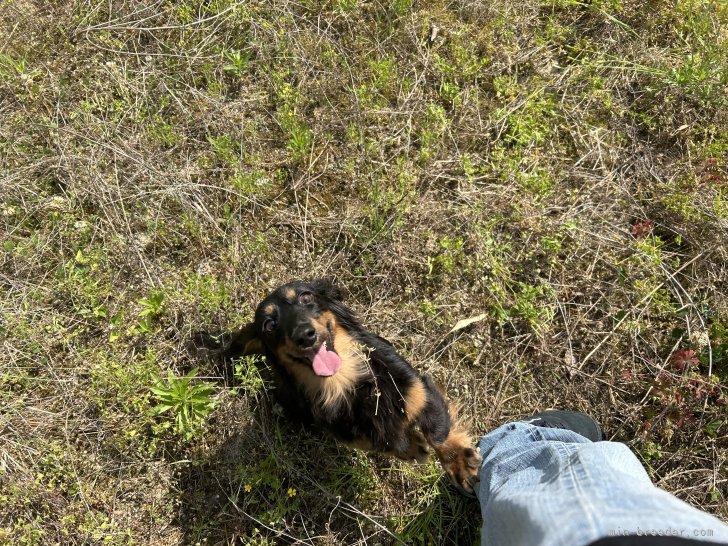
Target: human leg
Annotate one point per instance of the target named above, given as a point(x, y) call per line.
point(551, 486)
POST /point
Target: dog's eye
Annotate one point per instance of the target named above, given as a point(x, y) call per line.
point(269, 325)
point(306, 298)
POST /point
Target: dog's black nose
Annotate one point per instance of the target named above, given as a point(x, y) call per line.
point(305, 336)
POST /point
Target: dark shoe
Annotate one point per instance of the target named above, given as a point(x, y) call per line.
point(575, 421)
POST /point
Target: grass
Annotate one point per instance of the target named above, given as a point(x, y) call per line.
point(555, 168)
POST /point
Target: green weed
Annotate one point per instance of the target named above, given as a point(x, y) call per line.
point(434, 126)
point(238, 62)
point(253, 181)
point(248, 375)
point(54, 471)
point(190, 403)
point(164, 132)
point(532, 124)
point(533, 304)
point(346, 6)
point(354, 477)
point(300, 139)
point(400, 8)
point(387, 205)
point(209, 294)
point(225, 148)
point(11, 67)
point(152, 307)
point(450, 256)
point(266, 490)
point(82, 279)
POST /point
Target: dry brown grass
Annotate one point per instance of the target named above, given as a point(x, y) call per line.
point(559, 167)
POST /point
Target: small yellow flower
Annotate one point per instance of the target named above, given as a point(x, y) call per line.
point(248, 488)
point(291, 492)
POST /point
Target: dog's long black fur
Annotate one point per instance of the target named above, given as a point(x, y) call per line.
point(374, 400)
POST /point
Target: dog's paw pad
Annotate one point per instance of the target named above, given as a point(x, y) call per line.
point(462, 468)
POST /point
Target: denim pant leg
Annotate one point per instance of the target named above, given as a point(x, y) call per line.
point(544, 486)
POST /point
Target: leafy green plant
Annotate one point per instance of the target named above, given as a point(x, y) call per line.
point(532, 305)
point(353, 476)
point(238, 62)
point(450, 92)
point(267, 489)
point(82, 280)
point(345, 6)
point(247, 374)
point(10, 66)
point(225, 148)
point(536, 180)
point(387, 204)
point(434, 125)
point(450, 255)
point(400, 8)
point(300, 136)
point(251, 181)
point(152, 307)
point(300, 139)
point(532, 124)
point(506, 87)
point(190, 403)
point(116, 326)
point(55, 471)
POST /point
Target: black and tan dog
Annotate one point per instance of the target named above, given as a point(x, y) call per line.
point(333, 372)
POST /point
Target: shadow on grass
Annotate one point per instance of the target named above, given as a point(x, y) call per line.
point(271, 482)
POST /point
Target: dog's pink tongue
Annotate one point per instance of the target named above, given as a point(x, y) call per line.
point(325, 362)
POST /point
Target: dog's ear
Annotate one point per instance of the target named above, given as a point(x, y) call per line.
point(241, 342)
point(327, 289)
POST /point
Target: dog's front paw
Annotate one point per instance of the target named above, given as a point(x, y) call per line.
point(462, 464)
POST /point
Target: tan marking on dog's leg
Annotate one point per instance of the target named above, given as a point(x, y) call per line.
point(415, 400)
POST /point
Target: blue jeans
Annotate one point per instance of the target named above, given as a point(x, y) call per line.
point(544, 486)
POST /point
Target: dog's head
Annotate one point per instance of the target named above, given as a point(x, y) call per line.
point(297, 324)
